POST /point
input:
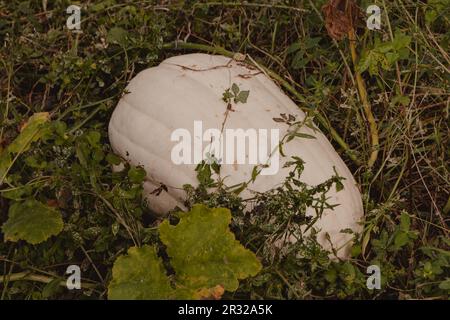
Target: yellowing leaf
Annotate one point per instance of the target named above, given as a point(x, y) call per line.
point(384, 54)
point(139, 275)
point(31, 131)
point(213, 293)
point(204, 252)
point(206, 258)
point(32, 221)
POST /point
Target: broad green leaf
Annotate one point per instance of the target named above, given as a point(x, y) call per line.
point(206, 258)
point(348, 272)
point(117, 35)
point(5, 164)
point(140, 275)
point(17, 193)
point(113, 159)
point(299, 61)
point(93, 137)
point(401, 40)
point(32, 221)
point(204, 252)
point(430, 16)
point(51, 288)
point(384, 54)
point(31, 131)
point(401, 239)
point(378, 59)
point(101, 5)
point(391, 57)
point(368, 59)
point(356, 251)
point(331, 275)
point(403, 53)
point(384, 47)
point(445, 285)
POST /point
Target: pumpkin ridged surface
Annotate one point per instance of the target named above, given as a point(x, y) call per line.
point(173, 95)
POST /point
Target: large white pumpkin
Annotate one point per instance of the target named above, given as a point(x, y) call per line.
point(189, 88)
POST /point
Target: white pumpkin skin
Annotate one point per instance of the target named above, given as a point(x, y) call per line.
point(173, 95)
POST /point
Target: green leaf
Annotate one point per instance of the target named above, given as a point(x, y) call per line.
point(294, 47)
point(391, 58)
point(356, 251)
point(113, 159)
point(82, 154)
point(331, 275)
point(401, 40)
point(204, 173)
point(5, 164)
point(255, 172)
point(339, 186)
point(366, 239)
point(31, 132)
point(384, 54)
point(405, 221)
point(117, 35)
point(299, 60)
point(51, 288)
point(445, 285)
point(311, 43)
point(384, 47)
point(136, 174)
point(241, 187)
point(235, 89)
point(369, 60)
point(401, 239)
point(32, 221)
point(140, 275)
point(242, 96)
point(19, 193)
point(204, 252)
point(206, 258)
point(430, 16)
point(93, 137)
point(227, 95)
point(401, 100)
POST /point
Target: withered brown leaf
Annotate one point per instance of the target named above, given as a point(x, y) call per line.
point(340, 17)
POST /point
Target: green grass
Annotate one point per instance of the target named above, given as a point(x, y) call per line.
point(79, 77)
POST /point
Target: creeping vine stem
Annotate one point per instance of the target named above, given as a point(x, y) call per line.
point(374, 139)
